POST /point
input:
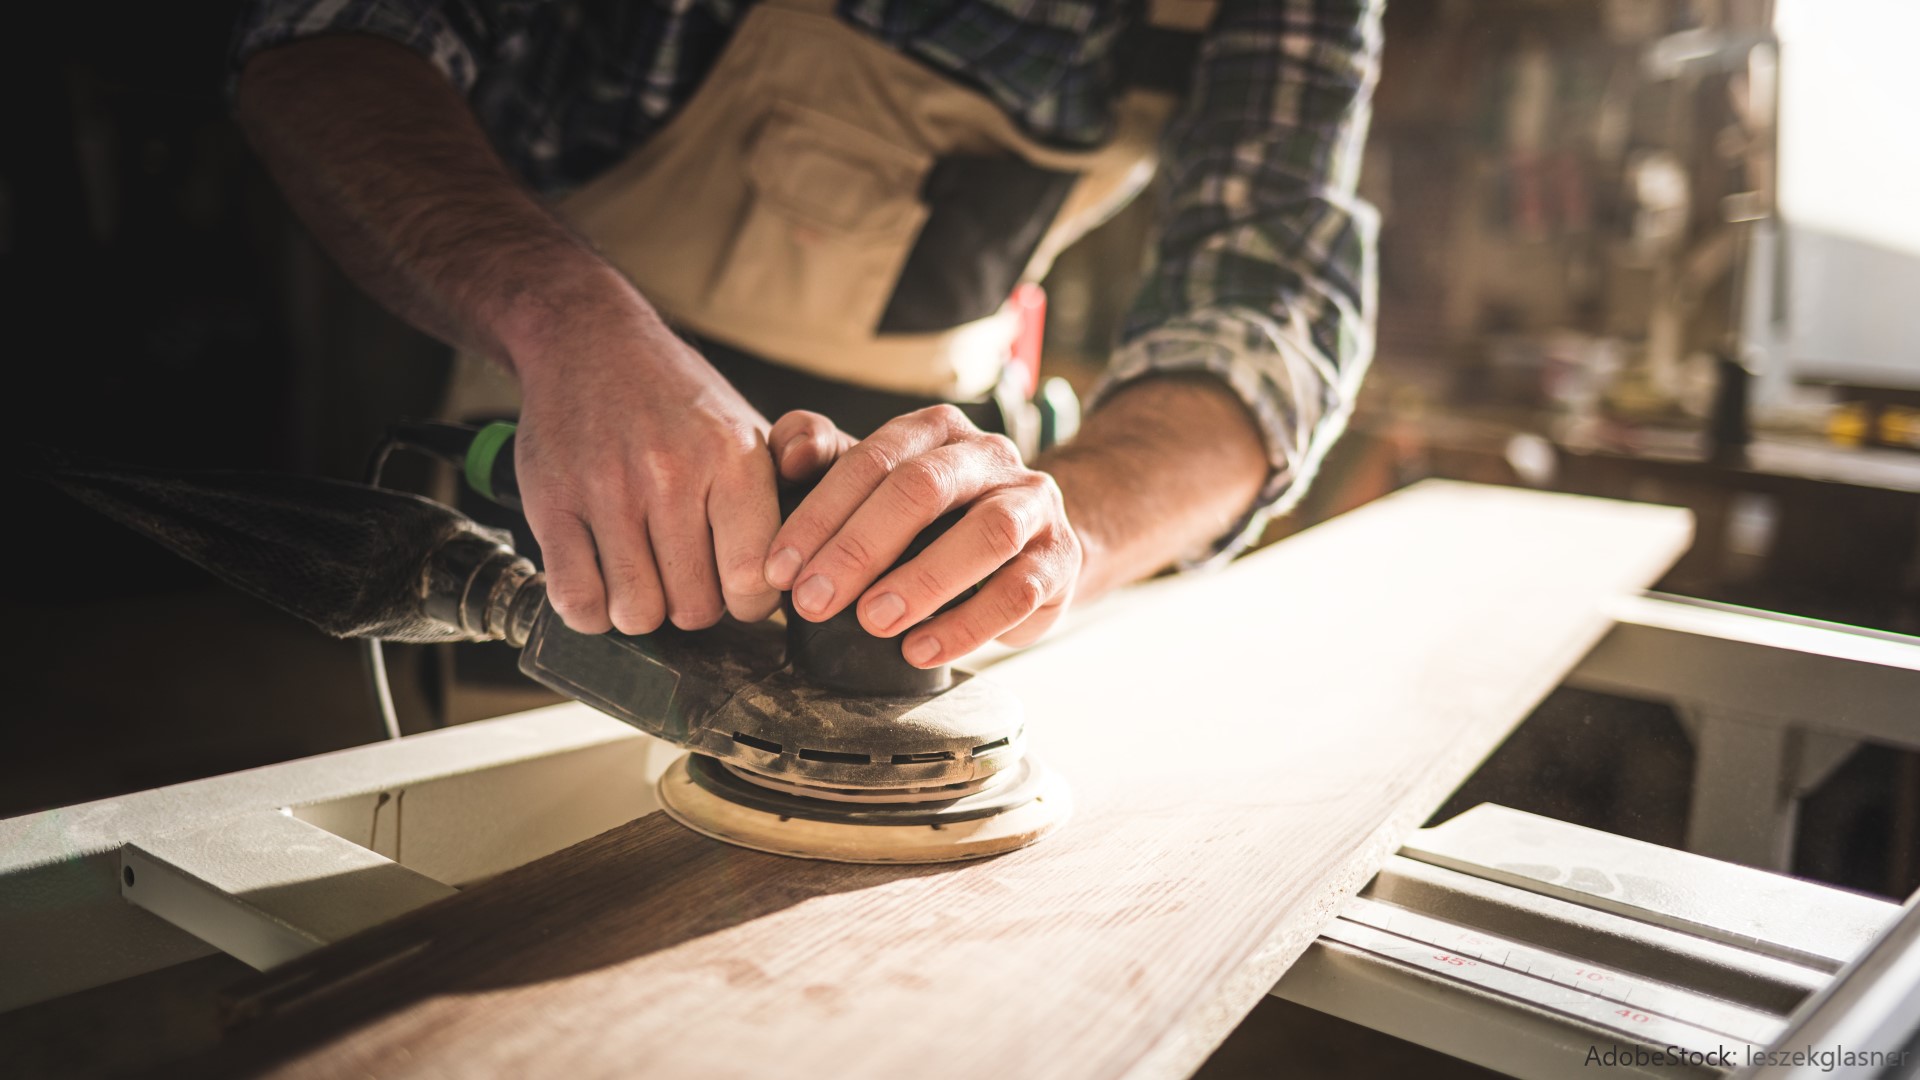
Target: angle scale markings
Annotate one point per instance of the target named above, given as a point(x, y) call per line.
point(1614, 999)
point(1649, 1028)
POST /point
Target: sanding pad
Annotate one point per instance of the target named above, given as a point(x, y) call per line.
point(1020, 806)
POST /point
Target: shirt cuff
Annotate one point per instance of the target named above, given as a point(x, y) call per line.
point(422, 27)
point(1291, 393)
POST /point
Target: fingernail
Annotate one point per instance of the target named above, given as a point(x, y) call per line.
point(813, 594)
point(885, 610)
point(920, 650)
point(781, 567)
point(788, 455)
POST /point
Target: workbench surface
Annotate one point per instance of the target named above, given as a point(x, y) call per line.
point(1246, 748)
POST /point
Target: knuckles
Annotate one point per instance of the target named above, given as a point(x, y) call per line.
point(925, 588)
point(816, 431)
point(741, 571)
point(1003, 527)
point(638, 620)
point(1022, 595)
point(550, 499)
point(925, 486)
point(851, 551)
point(1000, 449)
point(741, 577)
point(576, 600)
point(662, 473)
point(945, 417)
point(871, 461)
point(1050, 488)
point(801, 424)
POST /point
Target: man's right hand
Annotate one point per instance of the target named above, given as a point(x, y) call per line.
point(645, 477)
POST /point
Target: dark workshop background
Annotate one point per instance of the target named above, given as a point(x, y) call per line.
point(1572, 241)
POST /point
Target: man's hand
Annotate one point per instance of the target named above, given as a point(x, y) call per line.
point(1014, 540)
point(1162, 468)
point(646, 479)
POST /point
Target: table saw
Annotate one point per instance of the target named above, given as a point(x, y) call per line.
point(501, 897)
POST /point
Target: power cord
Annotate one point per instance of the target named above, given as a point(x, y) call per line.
point(446, 443)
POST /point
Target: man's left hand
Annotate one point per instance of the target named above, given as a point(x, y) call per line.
point(1014, 540)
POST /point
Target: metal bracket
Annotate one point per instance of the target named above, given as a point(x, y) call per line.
point(270, 862)
point(1773, 702)
point(267, 887)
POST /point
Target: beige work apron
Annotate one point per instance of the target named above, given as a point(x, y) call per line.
point(775, 212)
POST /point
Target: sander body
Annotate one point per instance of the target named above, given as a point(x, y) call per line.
point(815, 740)
point(868, 768)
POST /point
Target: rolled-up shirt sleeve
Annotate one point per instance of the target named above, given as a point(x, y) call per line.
point(451, 35)
point(1265, 274)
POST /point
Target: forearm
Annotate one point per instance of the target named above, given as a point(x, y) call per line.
point(388, 167)
point(1164, 467)
point(1262, 296)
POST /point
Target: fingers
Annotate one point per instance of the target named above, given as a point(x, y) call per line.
point(658, 533)
point(1036, 625)
point(916, 493)
point(994, 530)
point(636, 603)
point(876, 498)
point(853, 477)
point(686, 537)
point(634, 574)
point(634, 467)
point(1035, 585)
point(744, 513)
point(574, 587)
point(805, 444)
point(683, 549)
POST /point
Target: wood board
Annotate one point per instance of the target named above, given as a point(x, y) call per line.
point(1246, 748)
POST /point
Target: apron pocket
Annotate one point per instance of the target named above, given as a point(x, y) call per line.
point(831, 213)
point(988, 216)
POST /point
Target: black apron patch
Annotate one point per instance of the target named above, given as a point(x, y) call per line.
point(985, 218)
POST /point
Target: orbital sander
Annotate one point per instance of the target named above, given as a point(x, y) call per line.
point(815, 740)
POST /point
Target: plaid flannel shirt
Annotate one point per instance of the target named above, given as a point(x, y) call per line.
point(1264, 275)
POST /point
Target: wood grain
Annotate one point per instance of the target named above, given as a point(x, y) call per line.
point(1246, 749)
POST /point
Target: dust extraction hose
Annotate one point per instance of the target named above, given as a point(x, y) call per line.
point(354, 561)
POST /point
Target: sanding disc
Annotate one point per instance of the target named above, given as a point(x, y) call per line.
point(711, 799)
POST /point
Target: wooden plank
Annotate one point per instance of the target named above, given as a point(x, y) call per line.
point(1246, 749)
